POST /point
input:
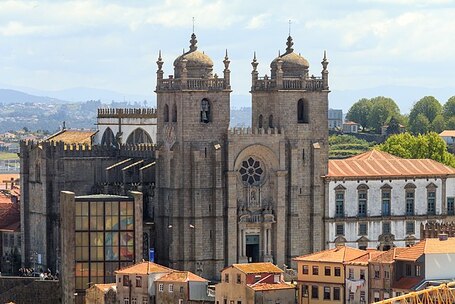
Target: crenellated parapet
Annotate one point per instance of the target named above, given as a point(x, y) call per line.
point(256, 131)
point(308, 84)
point(434, 229)
point(210, 84)
point(127, 113)
point(62, 149)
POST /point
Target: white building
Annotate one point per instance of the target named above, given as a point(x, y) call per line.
point(448, 136)
point(335, 119)
point(379, 200)
point(350, 127)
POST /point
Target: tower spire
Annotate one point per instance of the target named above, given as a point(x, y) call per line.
point(193, 43)
point(289, 45)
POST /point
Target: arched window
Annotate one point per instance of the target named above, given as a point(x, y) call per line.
point(260, 121)
point(174, 113)
point(108, 138)
point(205, 111)
point(166, 113)
point(271, 121)
point(302, 111)
point(139, 136)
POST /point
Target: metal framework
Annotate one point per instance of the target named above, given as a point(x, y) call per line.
point(442, 294)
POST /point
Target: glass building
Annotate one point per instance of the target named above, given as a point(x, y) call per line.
point(104, 235)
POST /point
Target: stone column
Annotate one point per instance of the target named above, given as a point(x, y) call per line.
point(280, 237)
point(68, 241)
point(231, 218)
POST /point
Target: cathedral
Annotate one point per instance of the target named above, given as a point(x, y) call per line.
point(213, 196)
point(254, 194)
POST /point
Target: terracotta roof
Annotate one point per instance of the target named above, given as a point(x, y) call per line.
point(105, 287)
point(381, 164)
point(336, 255)
point(73, 137)
point(364, 259)
point(388, 256)
point(427, 246)
point(10, 217)
point(143, 268)
point(447, 133)
point(181, 276)
point(257, 268)
point(350, 123)
point(270, 286)
point(412, 253)
point(406, 283)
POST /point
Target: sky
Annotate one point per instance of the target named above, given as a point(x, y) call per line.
point(114, 45)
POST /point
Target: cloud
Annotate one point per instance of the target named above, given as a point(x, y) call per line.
point(257, 21)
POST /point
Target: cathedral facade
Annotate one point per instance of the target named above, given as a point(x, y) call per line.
point(254, 194)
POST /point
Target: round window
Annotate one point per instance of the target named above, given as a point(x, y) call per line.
point(251, 171)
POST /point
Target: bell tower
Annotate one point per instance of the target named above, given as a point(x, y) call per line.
point(297, 103)
point(193, 117)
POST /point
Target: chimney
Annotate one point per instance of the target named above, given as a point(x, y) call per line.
point(443, 236)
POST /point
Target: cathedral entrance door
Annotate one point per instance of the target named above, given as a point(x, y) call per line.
point(252, 248)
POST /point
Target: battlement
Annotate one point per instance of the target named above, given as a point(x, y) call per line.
point(307, 84)
point(127, 113)
point(256, 131)
point(86, 150)
point(210, 84)
point(433, 230)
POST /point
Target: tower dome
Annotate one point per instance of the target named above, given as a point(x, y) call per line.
point(198, 64)
point(293, 65)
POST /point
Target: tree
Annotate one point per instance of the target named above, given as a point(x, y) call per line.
point(420, 125)
point(429, 107)
point(448, 110)
point(430, 145)
point(438, 124)
point(359, 112)
point(382, 111)
point(393, 127)
point(450, 123)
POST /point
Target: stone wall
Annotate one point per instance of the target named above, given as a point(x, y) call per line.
point(29, 290)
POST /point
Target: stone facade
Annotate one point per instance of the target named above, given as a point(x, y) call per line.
point(50, 167)
point(228, 196)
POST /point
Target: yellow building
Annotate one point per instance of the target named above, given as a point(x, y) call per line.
point(321, 275)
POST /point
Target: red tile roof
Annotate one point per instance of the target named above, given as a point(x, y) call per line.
point(336, 255)
point(364, 259)
point(427, 246)
point(406, 283)
point(447, 133)
point(73, 137)
point(143, 268)
point(105, 287)
point(388, 256)
point(257, 268)
point(270, 286)
point(382, 165)
point(181, 276)
point(10, 216)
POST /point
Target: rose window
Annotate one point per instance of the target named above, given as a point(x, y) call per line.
point(251, 171)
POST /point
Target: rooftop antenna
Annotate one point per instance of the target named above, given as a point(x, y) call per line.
point(289, 27)
point(193, 24)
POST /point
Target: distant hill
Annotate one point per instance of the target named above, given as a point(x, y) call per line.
point(13, 96)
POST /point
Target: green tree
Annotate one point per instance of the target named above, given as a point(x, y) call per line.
point(450, 123)
point(393, 127)
point(429, 107)
point(359, 112)
point(438, 124)
point(420, 125)
point(448, 110)
point(429, 145)
point(382, 111)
